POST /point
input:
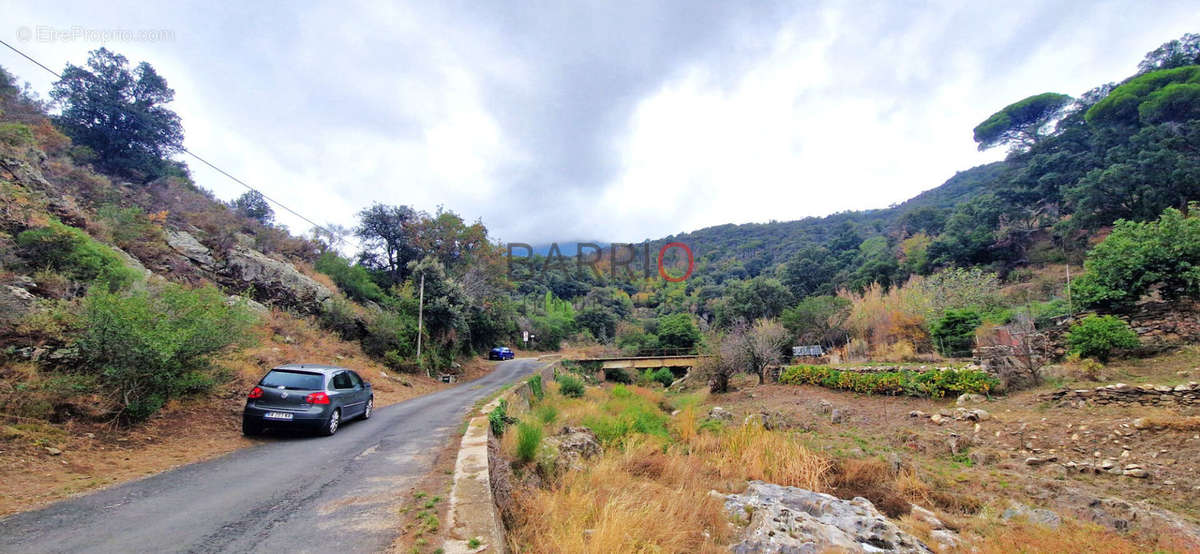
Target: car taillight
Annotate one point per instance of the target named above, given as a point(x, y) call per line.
point(317, 398)
point(255, 392)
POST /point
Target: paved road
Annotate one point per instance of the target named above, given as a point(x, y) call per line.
point(300, 494)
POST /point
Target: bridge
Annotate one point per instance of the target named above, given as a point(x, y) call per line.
point(643, 362)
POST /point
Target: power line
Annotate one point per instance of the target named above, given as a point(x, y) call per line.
point(190, 153)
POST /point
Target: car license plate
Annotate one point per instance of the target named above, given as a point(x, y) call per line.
point(278, 415)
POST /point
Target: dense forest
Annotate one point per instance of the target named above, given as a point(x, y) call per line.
point(1103, 180)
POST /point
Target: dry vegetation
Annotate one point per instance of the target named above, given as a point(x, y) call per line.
point(94, 454)
point(651, 490)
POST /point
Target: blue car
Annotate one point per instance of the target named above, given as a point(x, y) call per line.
point(501, 353)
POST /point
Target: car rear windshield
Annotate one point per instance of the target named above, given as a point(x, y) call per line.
point(300, 380)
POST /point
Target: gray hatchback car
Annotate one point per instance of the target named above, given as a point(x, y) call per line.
point(308, 396)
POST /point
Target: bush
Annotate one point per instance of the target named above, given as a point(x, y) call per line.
point(662, 376)
point(1137, 257)
point(498, 417)
point(1097, 337)
point(677, 331)
point(338, 315)
point(618, 375)
point(16, 135)
point(535, 386)
point(935, 384)
point(954, 334)
point(148, 347)
point(546, 413)
point(354, 280)
point(570, 386)
point(529, 438)
point(71, 251)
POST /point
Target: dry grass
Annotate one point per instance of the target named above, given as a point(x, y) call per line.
point(1017, 535)
point(1175, 422)
point(638, 500)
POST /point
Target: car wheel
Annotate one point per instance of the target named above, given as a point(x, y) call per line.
point(332, 424)
point(250, 429)
point(370, 408)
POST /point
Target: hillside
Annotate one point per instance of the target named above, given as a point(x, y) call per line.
point(766, 244)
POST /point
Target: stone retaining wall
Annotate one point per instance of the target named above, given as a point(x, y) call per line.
point(473, 513)
point(1121, 393)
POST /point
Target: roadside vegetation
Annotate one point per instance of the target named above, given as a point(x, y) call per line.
point(651, 489)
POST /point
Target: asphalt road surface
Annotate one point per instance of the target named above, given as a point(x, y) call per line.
point(298, 494)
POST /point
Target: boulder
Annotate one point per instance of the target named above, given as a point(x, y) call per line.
point(187, 246)
point(574, 445)
point(279, 281)
point(718, 413)
point(969, 398)
point(1039, 516)
point(838, 415)
point(790, 519)
point(15, 303)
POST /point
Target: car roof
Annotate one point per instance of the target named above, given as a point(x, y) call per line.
point(313, 368)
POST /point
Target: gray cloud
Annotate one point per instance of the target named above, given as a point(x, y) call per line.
point(615, 122)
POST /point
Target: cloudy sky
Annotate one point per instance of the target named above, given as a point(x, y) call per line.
point(603, 121)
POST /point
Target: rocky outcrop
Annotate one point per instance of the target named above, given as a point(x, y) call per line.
point(573, 445)
point(187, 246)
point(1122, 393)
point(790, 519)
point(15, 303)
point(243, 268)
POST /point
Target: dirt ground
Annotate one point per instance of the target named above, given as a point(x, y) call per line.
point(988, 465)
point(41, 463)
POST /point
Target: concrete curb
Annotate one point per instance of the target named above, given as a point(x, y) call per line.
point(473, 513)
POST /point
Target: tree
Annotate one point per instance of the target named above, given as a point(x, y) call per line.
point(1176, 53)
point(388, 238)
point(254, 205)
point(1021, 124)
point(758, 298)
point(598, 321)
point(954, 333)
point(1159, 167)
point(819, 320)
point(751, 348)
point(677, 331)
point(120, 114)
point(1139, 257)
point(1149, 98)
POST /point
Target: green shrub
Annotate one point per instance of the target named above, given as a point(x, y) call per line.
point(1097, 337)
point(935, 384)
point(618, 375)
point(529, 438)
point(1137, 257)
point(337, 315)
point(677, 331)
point(535, 386)
point(354, 280)
point(16, 135)
point(149, 346)
point(664, 377)
point(954, 333)
point(570, 386)
point(498, 417)
point(546, 413)
point(74, 253)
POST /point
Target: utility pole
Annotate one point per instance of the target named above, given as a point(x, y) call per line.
point(1070, 308)
point(420, 318)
